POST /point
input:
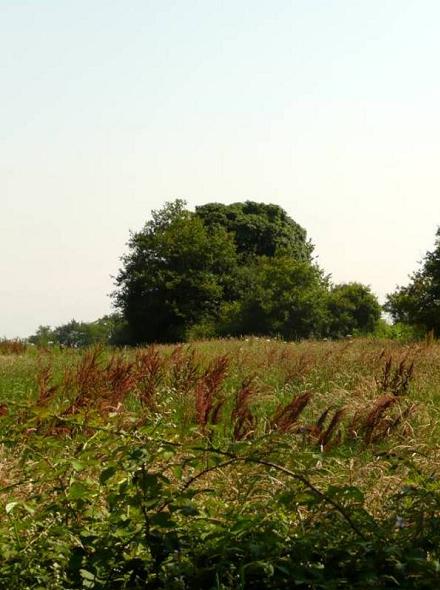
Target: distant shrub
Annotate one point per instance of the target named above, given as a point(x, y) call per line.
point(352, 309)
point(110, 329)
point(12, 346)
point(397, 331)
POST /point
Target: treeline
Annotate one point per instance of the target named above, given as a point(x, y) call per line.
point(240, 270)
point(110, 329)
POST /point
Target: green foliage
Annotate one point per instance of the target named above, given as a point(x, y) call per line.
point(259, 229)
point(175, 275)
point(353, 309)
point(237, 269)
point(107, 330)
point(109, 517)
point(111, 481)
point(396, 331)
point(283, 297)
point(418, 303)
point(43, 336)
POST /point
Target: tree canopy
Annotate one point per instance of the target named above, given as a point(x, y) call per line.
point(231, 270)
point(418, 303)
point(175, 275)
point(259, 229)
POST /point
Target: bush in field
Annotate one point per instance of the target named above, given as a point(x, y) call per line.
point(284, 297)
point(396, 331)
point(352, 309)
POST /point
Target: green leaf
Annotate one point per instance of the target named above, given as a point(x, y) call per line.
point(107, 473)
point(162, 519)
point(189, 510)
point(78, 490)
point(86, 574)
point(77, 465)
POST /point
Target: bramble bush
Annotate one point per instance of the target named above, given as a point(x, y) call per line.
point(130, 510)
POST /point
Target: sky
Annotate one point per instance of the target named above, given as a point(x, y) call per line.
point(108, 109)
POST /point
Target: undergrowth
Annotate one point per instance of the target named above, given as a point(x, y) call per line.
point(226, 464)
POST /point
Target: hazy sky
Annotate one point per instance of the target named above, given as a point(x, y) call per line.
point(109, 108)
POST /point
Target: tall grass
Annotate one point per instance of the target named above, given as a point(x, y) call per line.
point(224, 464)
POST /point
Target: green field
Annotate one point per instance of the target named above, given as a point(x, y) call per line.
point(222, 464)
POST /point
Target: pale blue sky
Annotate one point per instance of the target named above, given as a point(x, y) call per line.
point(110, 108)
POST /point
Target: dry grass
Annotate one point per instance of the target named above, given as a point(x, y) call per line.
point(9, 347)
point(355, 403)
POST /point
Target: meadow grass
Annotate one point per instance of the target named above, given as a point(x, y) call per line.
point(221, 464)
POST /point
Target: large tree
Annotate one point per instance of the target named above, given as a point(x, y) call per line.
point(418, 303)
point(175, 275)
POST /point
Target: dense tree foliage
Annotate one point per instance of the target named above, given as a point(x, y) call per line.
point(353, 309)
point(238, 269)
point(418, 303)
point(259, 229)
point(284, 297)
point(176, 274)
